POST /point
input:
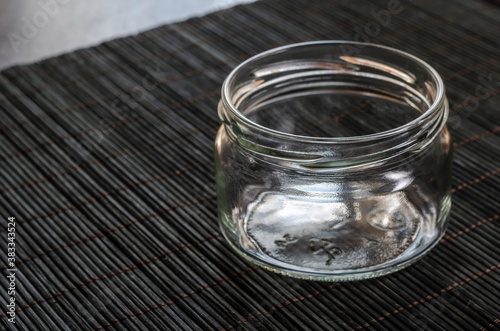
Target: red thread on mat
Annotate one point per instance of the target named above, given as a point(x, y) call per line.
point(107, 157)
point(461, 41)
point(492, 325)
point(476, 67)
point(478, 136)
point(110, 193)
point(475, 181)
point(107, 126)
point(429, 297)
point(480, 223)
point(284, 304)
point(118, 123)
point(34, 303)
point(387, 314)
point(100, 235)
point(478, 98)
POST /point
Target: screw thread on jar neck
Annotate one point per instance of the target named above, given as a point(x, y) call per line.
point(312, 68)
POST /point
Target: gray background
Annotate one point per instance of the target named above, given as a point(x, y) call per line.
point(32, 30)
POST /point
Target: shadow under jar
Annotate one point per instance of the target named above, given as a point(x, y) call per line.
point(331, 166)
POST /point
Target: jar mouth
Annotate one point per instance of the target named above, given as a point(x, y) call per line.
point(266, 64)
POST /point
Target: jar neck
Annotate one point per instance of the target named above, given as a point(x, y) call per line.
point(343, 153)
point(268, 77)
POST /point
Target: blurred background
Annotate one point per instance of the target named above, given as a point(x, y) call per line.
point(37, 29)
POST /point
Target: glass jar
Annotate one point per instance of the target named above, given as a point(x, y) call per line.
point(333, 161)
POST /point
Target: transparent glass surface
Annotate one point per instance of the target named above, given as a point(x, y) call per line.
point(332, 165)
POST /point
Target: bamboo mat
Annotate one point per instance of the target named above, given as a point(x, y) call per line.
point(106, 164)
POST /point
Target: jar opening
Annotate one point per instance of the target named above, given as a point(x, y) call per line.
point(315, 91)
point(340, 111)
point(313, 105)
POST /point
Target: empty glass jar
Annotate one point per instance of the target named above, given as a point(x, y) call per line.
point(333, 161)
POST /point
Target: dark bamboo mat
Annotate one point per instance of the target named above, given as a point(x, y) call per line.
point(106, 164)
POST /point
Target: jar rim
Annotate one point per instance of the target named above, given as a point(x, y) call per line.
point(436, 105)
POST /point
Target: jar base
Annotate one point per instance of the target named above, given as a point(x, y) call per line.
point(338, 275)
point(332, 241)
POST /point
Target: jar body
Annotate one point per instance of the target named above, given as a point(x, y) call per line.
point(333, 226)
point(331, 166)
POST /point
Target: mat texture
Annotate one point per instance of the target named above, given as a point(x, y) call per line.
point(106, 164)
